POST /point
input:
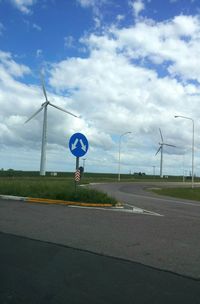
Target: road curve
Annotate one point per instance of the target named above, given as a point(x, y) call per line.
point(139, 194)
point(169, 242)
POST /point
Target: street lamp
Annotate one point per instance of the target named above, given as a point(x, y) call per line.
point(179, 116)
point(120, 138)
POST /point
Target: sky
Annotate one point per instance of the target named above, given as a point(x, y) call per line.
point(120, 65)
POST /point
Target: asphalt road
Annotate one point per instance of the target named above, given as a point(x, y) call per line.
point(139, 195)
point(38, 272)
point(169, 242)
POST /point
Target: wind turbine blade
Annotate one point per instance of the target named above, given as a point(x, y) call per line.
point(40, 109)
point(161, 134)
point(158, 150)
point(51, 104)
point(43, 86)
point(169, 145)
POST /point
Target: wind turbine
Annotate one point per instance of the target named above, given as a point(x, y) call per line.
point(160, 149)
point(44, 131)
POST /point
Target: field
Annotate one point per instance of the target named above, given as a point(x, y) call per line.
point(94, 177)
point(185, 193)
point(62, 186)
point(52, 188)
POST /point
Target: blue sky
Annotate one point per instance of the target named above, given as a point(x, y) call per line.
point(121, 65)
point(47, 24)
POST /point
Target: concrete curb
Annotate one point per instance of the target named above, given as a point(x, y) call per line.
point(132, 209)
point(12, 197)
point(68, 203)
point(56, 202)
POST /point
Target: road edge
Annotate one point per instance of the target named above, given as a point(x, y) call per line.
point(56, 202)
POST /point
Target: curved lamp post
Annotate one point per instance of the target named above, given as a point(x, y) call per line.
point(120, 139)
point(179, 116)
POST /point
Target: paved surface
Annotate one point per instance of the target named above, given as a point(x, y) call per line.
point(138, 194)
point(173, 240)
point(169, 242)
point(38, 272)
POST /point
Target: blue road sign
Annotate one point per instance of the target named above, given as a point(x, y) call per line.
point(78, 144)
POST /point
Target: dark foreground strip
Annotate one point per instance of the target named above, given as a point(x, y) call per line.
point(39, 272)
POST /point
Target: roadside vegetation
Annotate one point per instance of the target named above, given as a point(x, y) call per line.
point(185, 193)
point(52, 188)
point(62, 186)
point(96, 177)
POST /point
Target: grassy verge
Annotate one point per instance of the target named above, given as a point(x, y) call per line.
point(59, 188)
point(96, 177)
point(185, 193)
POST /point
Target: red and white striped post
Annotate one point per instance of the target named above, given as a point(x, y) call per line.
point(77, 177)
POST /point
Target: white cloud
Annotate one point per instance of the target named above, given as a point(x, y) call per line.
point(37, 27)
point(39, 53)
point(137, 6)
point(87, 3)
point(95, 5)
point(114, 94)
point(164, 42)
point(23, 5)
point(114, 91)
point(11, 67)
point(69, 41)
point(97, 22)
point(120, 17)
point(18, 101)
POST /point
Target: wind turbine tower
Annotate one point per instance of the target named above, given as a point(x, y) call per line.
point(160, 149)
point(44, 130)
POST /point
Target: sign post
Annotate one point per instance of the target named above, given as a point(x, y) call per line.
point(77, 163)
point(78, 145)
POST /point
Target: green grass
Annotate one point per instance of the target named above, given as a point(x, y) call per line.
point(186, 193)
point(94, 177)
point(53, 188)
point(23, 183)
